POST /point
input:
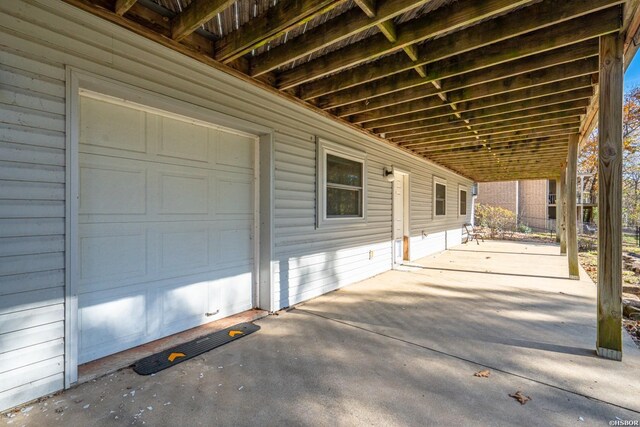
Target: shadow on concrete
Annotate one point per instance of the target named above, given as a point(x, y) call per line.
point(486, 272)
point(506, 253)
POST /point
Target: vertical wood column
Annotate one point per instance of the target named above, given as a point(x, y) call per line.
point(609, 341)
point(557, 209)
point(571, 207)
point(561, 201)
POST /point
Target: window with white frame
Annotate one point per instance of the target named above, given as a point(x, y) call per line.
point(462, 204)
point(342, 184)
point(439, 197)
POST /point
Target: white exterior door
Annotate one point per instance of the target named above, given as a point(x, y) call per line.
point(165, 225)
point(399, 224)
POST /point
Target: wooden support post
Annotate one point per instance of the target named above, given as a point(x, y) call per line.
point(571, 207)
point(558, 201)
point(609, 333)
point(561, 202)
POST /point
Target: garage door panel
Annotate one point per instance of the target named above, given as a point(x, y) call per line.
point(231, 292)
point(115, 254)
point(235, 150)
point(231, 195)
point(184, 305)
point(111, 321)
point(236, 245)
point(110, 125)
point(181, 193)
point(186, 250)
point(182, 140)
point(165, 228)
point(107, 190)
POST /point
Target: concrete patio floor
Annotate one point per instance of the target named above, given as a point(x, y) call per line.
point(398, 349)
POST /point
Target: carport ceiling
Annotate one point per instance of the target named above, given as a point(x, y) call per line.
point(489, 88)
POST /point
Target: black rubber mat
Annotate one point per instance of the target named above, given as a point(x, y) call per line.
point(180, 353)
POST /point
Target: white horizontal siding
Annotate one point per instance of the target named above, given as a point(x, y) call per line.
point(32, 211)
point(37, 38)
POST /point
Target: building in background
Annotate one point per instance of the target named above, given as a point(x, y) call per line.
point(534, 201)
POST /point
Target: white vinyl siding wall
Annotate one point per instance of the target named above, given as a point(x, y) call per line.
point(32, 211)
point(39, 37)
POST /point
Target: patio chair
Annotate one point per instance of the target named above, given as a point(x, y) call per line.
point(473, 233)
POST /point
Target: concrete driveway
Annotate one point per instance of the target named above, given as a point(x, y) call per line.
point(398, 349)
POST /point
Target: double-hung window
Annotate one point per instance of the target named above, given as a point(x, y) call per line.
point(342, 183)
point(462, 205)
point(439, 197)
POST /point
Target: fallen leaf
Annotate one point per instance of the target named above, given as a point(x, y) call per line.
point(520, 397)
point(482, 374)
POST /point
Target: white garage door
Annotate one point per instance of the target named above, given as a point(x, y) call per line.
point(166, 224)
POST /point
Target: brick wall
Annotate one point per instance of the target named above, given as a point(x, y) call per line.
point(533, 203)
point(501, 194)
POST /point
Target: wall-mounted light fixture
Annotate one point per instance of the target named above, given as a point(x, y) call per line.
point(389, 174)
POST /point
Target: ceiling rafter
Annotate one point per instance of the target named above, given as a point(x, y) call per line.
point(489, 88)
point(197, 13)
point(439, 123)
point(463, 152)
point(488, 100)
point(122, 6)
point(460, 136)
point(557, 130)
point(484, 109)
point(442, 20)
point(336, 30)
point(506, 159)
point(368, 93)
point(277, 20)
point(459, 91)
point(458, 56)
point(437, 150)
point(518, 121)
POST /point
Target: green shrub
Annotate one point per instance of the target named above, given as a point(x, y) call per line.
point(524, 228)
point(496, 219)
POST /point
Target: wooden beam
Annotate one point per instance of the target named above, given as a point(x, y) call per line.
point(404, 83)
point(571, 204)
point(122, 6)
point(484, 178)
point(518, 135)
point(488, 123)
point(561, 201)
point(610, 152)
point(480, 109)
point(532, 139)
point(275, 22)
point(531, 143)
point(515, 169)
point(457, 51)
point(489, 32)
point(484, 164)
point(530, 151)
point(147, 22)
point(557, 184)
point(388, 28)
point(196, 14)
point(477, 159)
point(335, 30)
point(444, 19)
point(368, 7)
point(476, 104)
point(486, 131)
point(491, 115)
